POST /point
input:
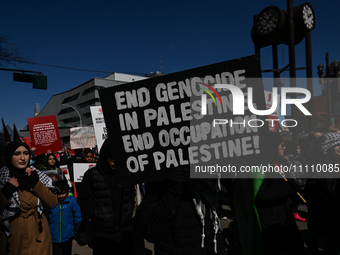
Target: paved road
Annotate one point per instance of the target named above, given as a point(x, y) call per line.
point(81, 250)
point(306, 234)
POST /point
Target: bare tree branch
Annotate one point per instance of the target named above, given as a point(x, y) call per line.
point(9, 52)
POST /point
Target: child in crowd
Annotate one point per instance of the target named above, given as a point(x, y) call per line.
point(87, 156)
point(65, 220)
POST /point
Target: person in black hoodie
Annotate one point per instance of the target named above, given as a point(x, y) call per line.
point(179, 217)
point(109, 205)
point(273, 202)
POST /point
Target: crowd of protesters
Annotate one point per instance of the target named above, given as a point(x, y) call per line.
point(179, 215)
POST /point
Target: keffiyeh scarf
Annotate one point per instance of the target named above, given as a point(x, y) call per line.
point(204, 193)
point(14, 207)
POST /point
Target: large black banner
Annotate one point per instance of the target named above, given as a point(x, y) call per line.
point(158, 124)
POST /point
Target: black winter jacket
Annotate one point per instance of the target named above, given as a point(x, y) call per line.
point(323, 198)
point(170, 221)
point(109, 205)
point(273, 202)
point(279, 230)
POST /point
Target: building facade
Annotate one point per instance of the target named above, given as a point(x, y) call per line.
point(72, 107)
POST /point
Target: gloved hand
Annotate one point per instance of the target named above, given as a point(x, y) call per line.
point(33, 179)
point(10, 187)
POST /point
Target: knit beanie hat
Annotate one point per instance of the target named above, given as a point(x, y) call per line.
point(329, 140)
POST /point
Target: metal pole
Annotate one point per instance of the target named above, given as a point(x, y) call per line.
point(18, 70)
point(329, 93)
point(257, 48)
point(275, 61)
point(76, 112)
point(309, 69)
point(292, 71)
point(276, 73)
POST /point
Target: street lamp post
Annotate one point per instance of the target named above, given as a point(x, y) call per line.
point(76, 112)
point(328, 85)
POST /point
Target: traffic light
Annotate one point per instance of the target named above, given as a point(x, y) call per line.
point(39, 81)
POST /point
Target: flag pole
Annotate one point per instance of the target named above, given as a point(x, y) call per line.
point(304, 200)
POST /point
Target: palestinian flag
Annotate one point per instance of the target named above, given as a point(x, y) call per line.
point(247, 219)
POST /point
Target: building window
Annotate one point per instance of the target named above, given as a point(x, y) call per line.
point(67, 110)
point(88, 91)
point(88, 103)
point(92, 89)
point(70, 99)
point(69, 120)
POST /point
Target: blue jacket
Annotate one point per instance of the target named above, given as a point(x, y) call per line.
point(65, 220)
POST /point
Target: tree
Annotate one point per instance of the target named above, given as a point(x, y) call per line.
point(9, 52)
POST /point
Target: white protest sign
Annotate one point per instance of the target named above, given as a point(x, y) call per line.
point(66, 174)
point(98, 125)
point(79, 170)
point(82, 137)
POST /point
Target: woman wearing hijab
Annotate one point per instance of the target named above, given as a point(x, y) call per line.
point(50, 162)
point(24, 192)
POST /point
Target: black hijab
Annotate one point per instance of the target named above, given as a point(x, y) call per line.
point(47, 166)
point(15, 172)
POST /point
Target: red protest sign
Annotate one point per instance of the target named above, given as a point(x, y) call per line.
point(27, 140)
point(44, 134)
